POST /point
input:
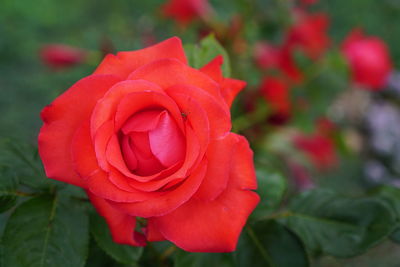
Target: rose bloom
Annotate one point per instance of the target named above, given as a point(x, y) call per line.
point(185, 11)
point(368, 58)
point(309, 34)
point(268, 56)
point(60, 56)
point(319, 148)
point(276, 93)
point(148, 136)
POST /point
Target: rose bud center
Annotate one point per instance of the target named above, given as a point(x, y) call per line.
point(151, 141)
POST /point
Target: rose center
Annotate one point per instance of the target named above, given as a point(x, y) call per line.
point(151, 141)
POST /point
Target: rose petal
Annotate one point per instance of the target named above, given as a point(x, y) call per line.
point(218, 115)
point(151, 232)
point(215, 226)
point(213, 69)
point(191, 162)
point(138, 101)
point(196, 117)
point(122, 226)
point(229, 87)
point(243, 171)
point(146, 164)
point(100, 142)
point(219, 154)
point(158, 206)
point(128, 154)
point(62, 118)
point(125, 62)
point(170, 72)
point(167, 142)
point(106, 107)
point(142, 121)
point(83, 154)
point(100, 185)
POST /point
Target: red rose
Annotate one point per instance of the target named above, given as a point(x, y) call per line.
point(184, 11)
point(148, 136)
point(319, 148)
point(268, 56)
point(276, 93)
point(368, 58)
point(309, 34)
point(61, 56)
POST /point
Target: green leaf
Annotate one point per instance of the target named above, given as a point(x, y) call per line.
point(121, 253)
point(391, 195)
point(1, 255)
point(186, 259)
point(46, 231)
point(395, 236)
point(339, 226)
point(98, 258)
point(8, 188)
point(208, 48)
point(269, 243)
point(272, 186)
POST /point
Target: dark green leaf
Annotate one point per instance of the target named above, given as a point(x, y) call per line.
point(207, 50)
point(391, 195)
point(8, 188)
point(1, 255)
point(269, 243)
point(186, 259)
point(271, 189)
point(46, 231)
point(339, 226)
point(122, 253)
point(395, 236)
point(98, 258)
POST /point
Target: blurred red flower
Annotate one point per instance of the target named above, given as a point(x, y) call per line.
point(276, 93)
point(308, 2)
point(368, 58)
point(309, 34)
point(268, 56)
point(60, 56)
point(184, 11)
point(319, 148)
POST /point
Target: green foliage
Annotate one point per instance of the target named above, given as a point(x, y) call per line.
point(331, 224)
point(185, 259)
point(269, 243)
point(208, 48)
point(46, 231)
point(271, 189)
point(395, 236)
point(121, 253)
point(8, 189)
point(391, 196)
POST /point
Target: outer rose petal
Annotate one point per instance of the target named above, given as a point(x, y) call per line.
point(62, 118)
point(215, 226)
point(151, 231)
point(164, 204)
point(219, 155)
point(122, 226)
point(125, 62)
point(170, 72)
point(229, 87)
